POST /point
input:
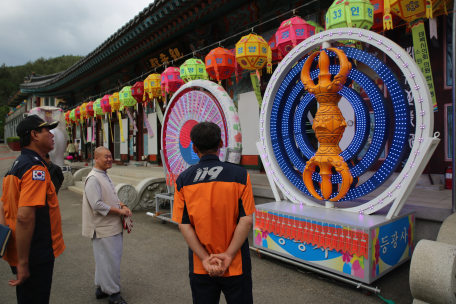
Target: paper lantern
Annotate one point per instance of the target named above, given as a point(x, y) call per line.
point(114, 102)
point(73, 115)
point(350, 13)
point(253, 53)
point(411, 10)
point(137, 91)
point(276, 55)
point(152, 87)
point(78, 113)
point(97, 107)
point(193, 69)
point(125, 97)
point(105, 106)
point(291, 32)
point(171, 80)
point(220, 63)
point(83, 110)
point(318, 27)
point(237, 68)
point(379, 10)
point(89, 109)
point(67, 117)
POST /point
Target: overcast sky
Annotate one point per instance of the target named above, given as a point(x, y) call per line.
point(30, 29)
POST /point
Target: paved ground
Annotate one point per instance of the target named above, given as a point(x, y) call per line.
point(155, 268)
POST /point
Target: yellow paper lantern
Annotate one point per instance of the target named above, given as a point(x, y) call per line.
point(253, 52)
point(114, 102)
point(84, 110)
point(152, 87)
point(411, 10)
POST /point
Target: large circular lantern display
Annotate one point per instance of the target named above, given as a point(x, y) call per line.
point(194, 102)
point(285, 148)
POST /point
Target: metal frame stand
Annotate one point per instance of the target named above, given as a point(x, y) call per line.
point(165, 217)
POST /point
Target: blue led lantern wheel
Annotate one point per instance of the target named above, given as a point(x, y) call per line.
point(283, 143)
point(286, 103)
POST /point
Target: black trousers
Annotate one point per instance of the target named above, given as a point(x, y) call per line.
point(206, 289)
point(37, 288)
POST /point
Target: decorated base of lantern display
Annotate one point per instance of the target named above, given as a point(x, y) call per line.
point(194, 102)
point(353, 237)
point(362, 248)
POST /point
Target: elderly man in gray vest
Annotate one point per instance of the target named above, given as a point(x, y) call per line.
point(102, 213)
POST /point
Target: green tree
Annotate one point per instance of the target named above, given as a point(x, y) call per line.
point(12, 76)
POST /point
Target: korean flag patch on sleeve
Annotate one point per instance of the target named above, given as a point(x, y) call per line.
point(38, 175)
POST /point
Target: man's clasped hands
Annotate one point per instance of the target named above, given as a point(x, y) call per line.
point(217, 264)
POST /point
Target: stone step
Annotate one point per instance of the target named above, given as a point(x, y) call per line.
point(116, 179)
point(79, 184)
point(76, 189)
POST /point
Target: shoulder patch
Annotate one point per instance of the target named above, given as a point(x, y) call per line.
point(38, 175)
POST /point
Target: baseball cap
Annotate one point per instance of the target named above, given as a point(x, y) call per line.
point(33, 122)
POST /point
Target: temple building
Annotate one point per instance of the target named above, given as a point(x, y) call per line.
point(170, 32)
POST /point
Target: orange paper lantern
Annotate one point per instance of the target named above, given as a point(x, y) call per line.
point(220, 63)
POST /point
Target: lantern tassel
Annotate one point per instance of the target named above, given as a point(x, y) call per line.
point(121, 127)
point(429, 9)
point(102, 127)
point(269, 64)
point(348, 13)
point(387, 18)
point(110, 129)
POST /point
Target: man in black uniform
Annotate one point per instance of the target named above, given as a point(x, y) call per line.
point(55, 172)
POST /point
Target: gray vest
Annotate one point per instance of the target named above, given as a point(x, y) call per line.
point(92, 221)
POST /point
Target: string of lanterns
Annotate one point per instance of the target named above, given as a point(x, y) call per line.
point(253, 53)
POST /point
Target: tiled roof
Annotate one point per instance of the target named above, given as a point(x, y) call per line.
point(160, 20)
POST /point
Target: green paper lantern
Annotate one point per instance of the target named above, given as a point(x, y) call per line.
point(97, 107)
point(318, 27)
point(126, 100)
point(73, 115)
point(193, 69)
point(350, 13)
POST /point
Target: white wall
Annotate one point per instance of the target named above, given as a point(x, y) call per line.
point(89, 134)
point(107, 134)
point(124, 145)
point(153, 145)
point(249, 115)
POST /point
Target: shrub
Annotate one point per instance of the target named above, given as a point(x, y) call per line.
point(12, 139)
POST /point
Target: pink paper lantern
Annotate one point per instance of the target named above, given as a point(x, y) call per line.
point(105, 106)
point(171, 80)
point(291, 32)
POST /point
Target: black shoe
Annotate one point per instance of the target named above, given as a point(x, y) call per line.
point(99, 294)
point(118, 300)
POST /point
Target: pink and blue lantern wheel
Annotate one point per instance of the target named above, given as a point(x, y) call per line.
point(194, 102)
